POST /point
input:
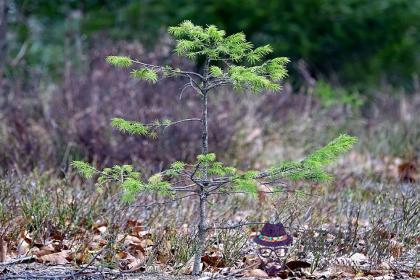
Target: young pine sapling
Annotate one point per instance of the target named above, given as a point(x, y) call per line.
point(228, 61)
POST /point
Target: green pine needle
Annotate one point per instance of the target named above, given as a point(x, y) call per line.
point(131, 188)
point(206, 158)
point(216, 71)
point(119, 61)
point(85, 169)
point(130, 127)
point(331, 151)
point(311, 168)
point(145, 74)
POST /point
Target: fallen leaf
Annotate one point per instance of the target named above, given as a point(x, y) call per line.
point(79, 257)
point(100, 227)
point(293, 265)
point(55, 258)
point(132, 263)
point(146, 243)
point(133, 223)
point(374, 273)
point(137, 231)
point(255, 273)
point(136, 265)
point(396, 248)
point(188, 267)
point(215, 261)
point(122, 255)
point(359, 258)
point(44, 250)
point(129, 239)
point(251, 259)
point(407, 172)
point(415, 273)
point(23, 247)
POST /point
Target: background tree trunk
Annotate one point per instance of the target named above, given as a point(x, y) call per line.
point(3, 44)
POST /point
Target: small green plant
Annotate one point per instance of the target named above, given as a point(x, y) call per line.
point(228, 61)
point(330, 96)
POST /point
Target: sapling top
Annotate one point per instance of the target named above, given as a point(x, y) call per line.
point(228, 61)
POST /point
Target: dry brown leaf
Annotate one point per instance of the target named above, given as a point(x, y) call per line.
point(343, 265)
point(44, 250)
point(122, 255)
point(23, 247)
point(129, 239)
point(327, 274)
point(137, 230)
point(163, 258)
point(100, 227)
point(215, 261)
point(79, 257)
point(55, 258)
point(396, 248)
point(146, 243)
point(415, 273)
point(164, 252)
point(188, 267)
point(345, 274)
point(256, 273)
point(145, 234)
point(136, 265)
point(130, 262)
point(359, 258)
point(374, 273)
point(120, 237)
point(133, 223)
point(293, 265)
point(57, 235)
point(251, 259)
point(407, 172)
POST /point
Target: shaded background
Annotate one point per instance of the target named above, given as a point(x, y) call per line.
point(354, 69)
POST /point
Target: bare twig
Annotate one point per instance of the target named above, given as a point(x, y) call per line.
point(163, 202)
point(16, 261)
point(160, 68)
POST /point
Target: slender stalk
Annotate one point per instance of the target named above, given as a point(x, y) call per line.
point(201, 234)
point(205, 136)
point(202, 193)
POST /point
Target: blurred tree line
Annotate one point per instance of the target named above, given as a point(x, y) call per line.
point(347, 42)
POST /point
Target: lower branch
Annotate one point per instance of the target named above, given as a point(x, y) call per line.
point(181, 121)
point(164, 202)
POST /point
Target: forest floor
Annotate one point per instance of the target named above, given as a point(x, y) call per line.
point(365, 224)
point(356, 227)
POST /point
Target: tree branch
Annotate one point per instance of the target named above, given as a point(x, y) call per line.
point(160, 68)
point(181, 121)
point(164, 202)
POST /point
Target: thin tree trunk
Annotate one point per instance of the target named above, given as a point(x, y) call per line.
point(205, 135)
point(3, 33)
point(202, 191)
point(201, 234)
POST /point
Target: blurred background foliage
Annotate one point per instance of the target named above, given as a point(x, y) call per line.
point(353, 42)
point(355, 66)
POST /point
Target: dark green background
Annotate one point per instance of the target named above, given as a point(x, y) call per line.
point(350, 42)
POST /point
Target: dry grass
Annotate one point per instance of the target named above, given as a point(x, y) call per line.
point(370, 215)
